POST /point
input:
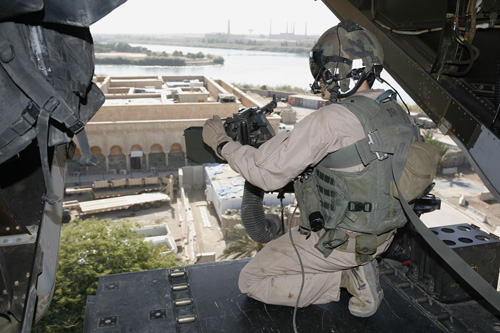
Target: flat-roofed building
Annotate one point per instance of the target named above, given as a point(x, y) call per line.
point(141, 125)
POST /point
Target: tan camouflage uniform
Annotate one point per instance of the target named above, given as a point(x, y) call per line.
point(274, 274)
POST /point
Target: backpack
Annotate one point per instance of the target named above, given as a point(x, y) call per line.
point(46, 90)
point(419, 170)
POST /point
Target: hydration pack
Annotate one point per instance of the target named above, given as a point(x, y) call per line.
point(366, 202)
point(46, 90)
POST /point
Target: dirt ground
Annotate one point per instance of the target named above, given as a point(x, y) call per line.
point(491, 207)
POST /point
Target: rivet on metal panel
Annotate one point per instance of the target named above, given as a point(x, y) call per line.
point(442, 316)
point(158, 314)
point(179, 287)
point(403, 285)
point(177, 274)
point(422, 299)
point(186, 319)
point(183, 302)
point(112, 286)
point(107, 321)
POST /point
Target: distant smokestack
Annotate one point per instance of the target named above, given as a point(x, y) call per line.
point(305, 33)
point(228, 27)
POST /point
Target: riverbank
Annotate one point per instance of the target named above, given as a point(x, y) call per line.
point(248, 43)
point(138, 60)
point(119, 53)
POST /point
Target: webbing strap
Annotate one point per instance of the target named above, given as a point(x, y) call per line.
point(343, 158)
point(354, 154)
point(42, 132)
point(87, 158)
point(15, 64)
point(384, 95)
point(463, 269)
point(19, 127)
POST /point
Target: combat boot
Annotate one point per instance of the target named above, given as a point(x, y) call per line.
point(363, 284)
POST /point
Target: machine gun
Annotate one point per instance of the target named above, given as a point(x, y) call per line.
point(250, 126)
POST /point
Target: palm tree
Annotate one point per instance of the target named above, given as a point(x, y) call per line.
point(243, 246)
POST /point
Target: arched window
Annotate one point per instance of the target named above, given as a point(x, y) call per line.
point(157, 158)
point(176, 157)
point(176, 148)
point(116, 159)
point(156, 148)
point(137, 160)
point(101, 165)
point(96, 150)
point(116, 150)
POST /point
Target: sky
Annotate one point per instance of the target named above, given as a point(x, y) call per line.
point(202, 16)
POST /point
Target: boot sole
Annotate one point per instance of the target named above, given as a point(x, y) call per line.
point(372, 311)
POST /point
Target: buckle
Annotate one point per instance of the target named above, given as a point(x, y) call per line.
point(371, 142)
point(51, 104)
point(77, 126)
point(356, 206)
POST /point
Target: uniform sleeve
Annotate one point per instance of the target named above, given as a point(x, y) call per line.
point(278, 161)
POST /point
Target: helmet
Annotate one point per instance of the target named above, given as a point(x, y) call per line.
point(331, 59)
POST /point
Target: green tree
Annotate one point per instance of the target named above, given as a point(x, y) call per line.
point(218, 60)
point(242, 246)
point(88, 249)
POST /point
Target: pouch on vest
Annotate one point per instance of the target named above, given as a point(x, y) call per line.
point(366, 246)
point(311, 218)
point(419, 170)
point(322, 198)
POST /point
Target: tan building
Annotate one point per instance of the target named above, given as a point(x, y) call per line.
point(141, 125)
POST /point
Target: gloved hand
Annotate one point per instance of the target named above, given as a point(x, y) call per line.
point(214, 133)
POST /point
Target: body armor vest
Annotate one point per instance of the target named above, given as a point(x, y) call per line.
point(332, 202)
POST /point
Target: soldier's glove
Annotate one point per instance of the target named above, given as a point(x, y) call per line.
point(214, 134)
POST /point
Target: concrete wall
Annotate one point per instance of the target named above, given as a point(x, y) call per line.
point(136, 82)
point(244, 98)
point(141, 112)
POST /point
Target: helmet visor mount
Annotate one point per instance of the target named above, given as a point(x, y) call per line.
point(318, 64)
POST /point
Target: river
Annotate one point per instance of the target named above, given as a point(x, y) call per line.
point(240, 66)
